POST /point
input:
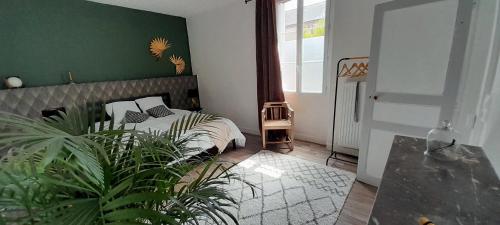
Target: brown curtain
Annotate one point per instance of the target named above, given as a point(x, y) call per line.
point(269, 87)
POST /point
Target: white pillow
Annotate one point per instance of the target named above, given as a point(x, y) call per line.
point(120, 108)
point(149, 102)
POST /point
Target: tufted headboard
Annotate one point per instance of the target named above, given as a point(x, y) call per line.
point(31, 101)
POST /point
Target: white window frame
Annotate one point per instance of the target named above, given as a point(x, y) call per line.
point(326, 53)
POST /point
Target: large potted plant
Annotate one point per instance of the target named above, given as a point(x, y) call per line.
point(66, 171)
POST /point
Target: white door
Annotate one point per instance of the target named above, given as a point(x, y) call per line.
point(417, 52)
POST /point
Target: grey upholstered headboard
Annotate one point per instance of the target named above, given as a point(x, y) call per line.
point(31, 101)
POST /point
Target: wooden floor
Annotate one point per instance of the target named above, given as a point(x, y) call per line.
point(359, 202)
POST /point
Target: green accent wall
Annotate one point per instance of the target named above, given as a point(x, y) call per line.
point(42, 40)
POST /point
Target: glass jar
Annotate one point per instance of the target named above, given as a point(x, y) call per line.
point(440, 141)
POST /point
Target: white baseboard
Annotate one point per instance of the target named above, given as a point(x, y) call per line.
point(309, 138)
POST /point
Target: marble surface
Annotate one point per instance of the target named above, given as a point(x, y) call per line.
point(465, 191)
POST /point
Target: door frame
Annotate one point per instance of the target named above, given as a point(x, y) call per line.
point(448, 100)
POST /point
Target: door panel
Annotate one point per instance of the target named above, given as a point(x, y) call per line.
point(415, 65)
point(407, 114)
point(418, 66)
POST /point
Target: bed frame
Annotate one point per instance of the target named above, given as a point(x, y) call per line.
point(32, 101)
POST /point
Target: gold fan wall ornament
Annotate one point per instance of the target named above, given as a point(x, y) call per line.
point(179, 63)
point(158, 46)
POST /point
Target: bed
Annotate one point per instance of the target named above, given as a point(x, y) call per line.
point(225, 130)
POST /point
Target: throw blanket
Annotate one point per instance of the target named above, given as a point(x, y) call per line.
point(223, 131)
point(220, 133)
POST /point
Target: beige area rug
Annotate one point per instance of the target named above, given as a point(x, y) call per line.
point(289, 191)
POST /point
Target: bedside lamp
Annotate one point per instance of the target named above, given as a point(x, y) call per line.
point(194, 96)
point(48, 113)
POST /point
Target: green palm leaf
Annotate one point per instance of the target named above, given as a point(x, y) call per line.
point(66, 170)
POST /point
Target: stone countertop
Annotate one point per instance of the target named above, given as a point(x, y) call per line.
point(461, 192)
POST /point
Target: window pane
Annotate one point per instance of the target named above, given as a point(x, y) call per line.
point(313, 45)
point(287, 31)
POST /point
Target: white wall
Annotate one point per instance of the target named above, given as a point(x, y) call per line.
point(480, 95)
point(491, 137)
point(486, 131)
point(311, 116)
point(477, 66)
point(222, 43)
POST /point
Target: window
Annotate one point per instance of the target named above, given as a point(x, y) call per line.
point(302, 45)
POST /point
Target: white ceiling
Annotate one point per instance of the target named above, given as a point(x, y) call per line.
point(182, 8)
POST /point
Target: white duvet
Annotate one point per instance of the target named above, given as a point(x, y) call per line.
point(202, 142)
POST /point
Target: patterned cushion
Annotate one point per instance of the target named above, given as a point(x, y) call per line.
point(134, 117)
point(159, 111)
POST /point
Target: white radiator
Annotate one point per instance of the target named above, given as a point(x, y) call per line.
point(347, 130)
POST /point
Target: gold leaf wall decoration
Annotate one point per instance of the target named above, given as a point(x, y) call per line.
point(158, 46)
point(179, 63)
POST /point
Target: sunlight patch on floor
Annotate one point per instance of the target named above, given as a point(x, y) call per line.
point(269, 171)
